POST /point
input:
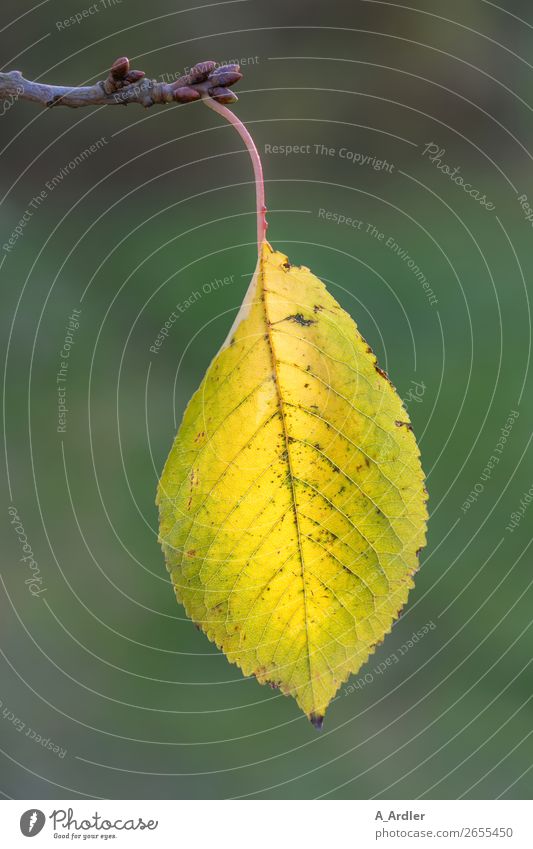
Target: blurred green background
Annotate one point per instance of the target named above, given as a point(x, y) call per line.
point(103, 663)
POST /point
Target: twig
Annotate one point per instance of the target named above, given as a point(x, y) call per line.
point(124, 86)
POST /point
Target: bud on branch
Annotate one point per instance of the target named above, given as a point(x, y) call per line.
point(123, 86)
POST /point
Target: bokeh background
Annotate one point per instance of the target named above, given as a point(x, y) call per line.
point(103, 663)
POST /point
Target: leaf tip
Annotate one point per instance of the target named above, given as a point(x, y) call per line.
point(316, 720)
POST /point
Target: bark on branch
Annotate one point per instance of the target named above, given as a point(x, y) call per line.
point(123, 86)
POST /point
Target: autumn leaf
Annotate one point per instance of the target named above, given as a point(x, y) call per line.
point(292, 504)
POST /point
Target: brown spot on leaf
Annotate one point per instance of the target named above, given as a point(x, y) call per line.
point(299, 319)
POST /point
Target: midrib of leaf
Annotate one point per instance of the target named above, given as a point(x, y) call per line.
point(290, 472)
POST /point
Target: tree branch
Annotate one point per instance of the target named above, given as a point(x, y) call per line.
point(124, 86)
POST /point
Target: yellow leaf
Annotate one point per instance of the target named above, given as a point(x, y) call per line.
point(292, 504)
